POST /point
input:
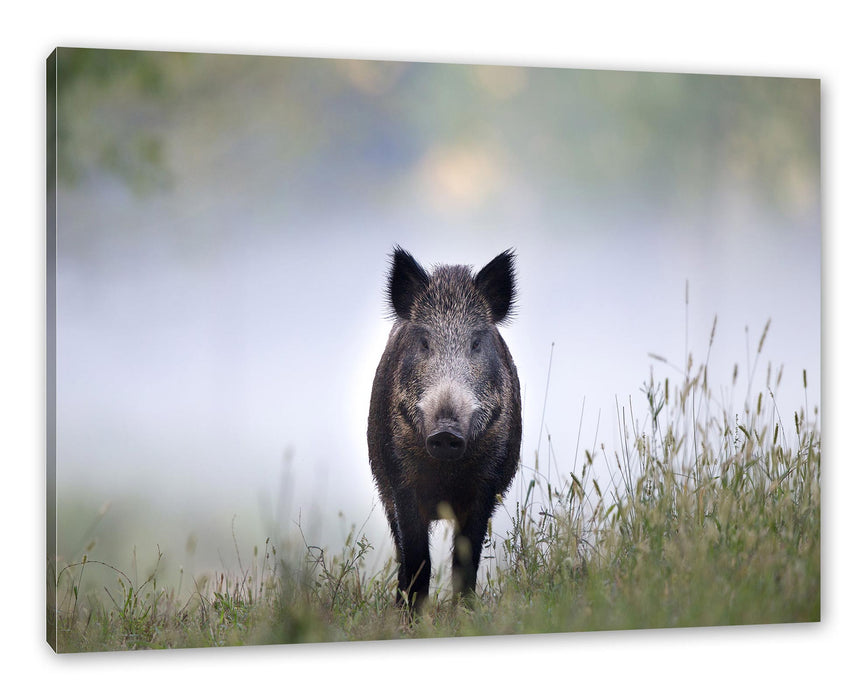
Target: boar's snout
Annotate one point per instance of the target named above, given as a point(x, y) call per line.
point(447, 408)
point(446, 445)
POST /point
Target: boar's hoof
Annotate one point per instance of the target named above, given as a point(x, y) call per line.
point(446, 445)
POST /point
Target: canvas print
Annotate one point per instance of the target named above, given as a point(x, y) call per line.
point(342, 350)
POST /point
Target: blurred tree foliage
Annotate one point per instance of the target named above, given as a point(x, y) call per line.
point(143, 117)
point(89, 135)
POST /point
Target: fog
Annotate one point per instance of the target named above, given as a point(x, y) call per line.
point(224, 229)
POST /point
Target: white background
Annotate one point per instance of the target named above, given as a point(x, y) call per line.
point(737, 37)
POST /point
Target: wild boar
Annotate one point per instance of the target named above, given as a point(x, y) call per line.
point(444, 429)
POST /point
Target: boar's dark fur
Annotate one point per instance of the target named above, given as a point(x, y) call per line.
point(444, 428)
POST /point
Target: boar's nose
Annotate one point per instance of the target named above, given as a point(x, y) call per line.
point(446, 445)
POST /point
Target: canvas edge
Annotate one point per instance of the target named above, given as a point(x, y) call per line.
point(51, 347)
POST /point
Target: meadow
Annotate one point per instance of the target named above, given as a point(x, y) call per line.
point(710, 515)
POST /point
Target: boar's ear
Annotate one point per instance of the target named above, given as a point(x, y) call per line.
point(496, 282)
point(406, 282)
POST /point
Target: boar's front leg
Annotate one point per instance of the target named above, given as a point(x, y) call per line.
point(413, 548)
point(468, 541)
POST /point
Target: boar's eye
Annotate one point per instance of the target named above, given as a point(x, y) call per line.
point(475, 348)
point(424, 343)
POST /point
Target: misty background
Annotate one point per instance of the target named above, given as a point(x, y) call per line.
point(224, 225)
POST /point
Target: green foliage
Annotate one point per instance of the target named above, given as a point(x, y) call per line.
point(139, 116)
point(714, 520)
point(108, 105)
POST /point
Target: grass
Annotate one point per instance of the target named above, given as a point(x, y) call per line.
point(712, 518)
